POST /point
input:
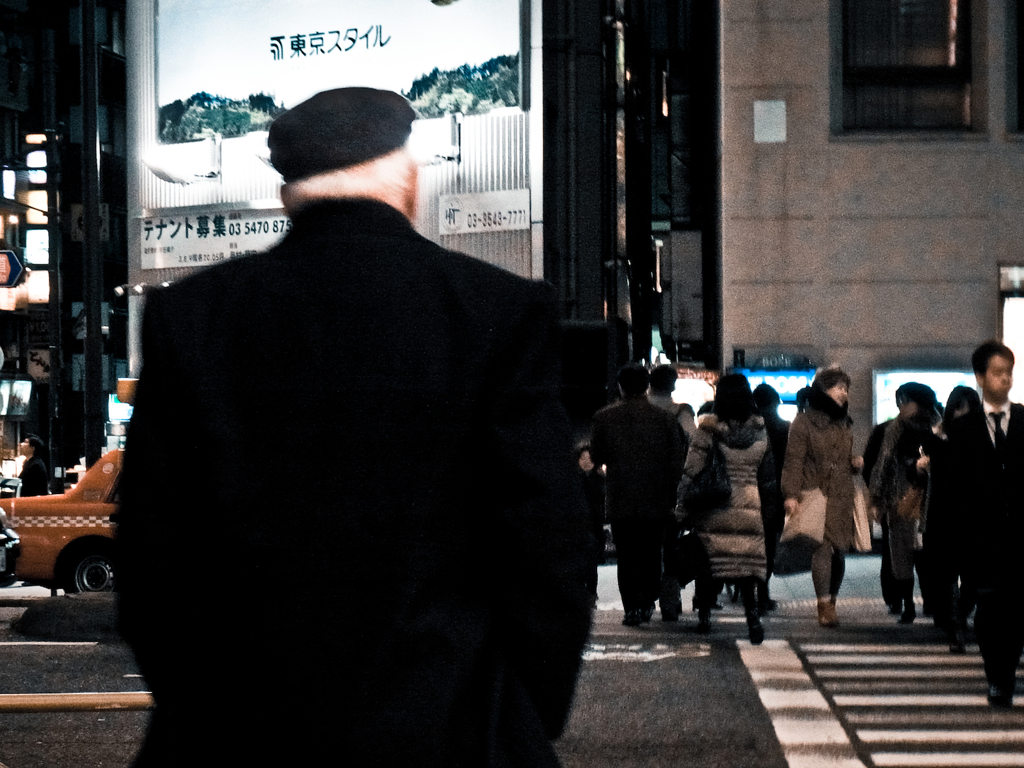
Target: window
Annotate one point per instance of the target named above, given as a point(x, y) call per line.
point(906, 64)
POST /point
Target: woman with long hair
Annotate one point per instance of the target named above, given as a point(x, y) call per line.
point(733, 534)
point(819, 455)
point(943, 534)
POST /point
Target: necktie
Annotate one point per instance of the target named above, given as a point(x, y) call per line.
point(1000, 434)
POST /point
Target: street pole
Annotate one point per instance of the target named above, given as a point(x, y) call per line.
point(92, 259)
point(53, 154)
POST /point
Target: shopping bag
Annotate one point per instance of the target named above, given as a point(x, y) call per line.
point(861, 523)
point(809, 518)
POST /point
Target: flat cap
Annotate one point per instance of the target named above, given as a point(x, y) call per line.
point(336, 129)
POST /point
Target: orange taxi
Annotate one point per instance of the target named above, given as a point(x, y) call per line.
point(67, 540)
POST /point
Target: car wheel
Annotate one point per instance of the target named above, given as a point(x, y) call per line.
point(91, 573)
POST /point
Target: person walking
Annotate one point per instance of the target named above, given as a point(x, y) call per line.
point(987, 449)
point(898, 485)
point(35, 477)
point(767, 402)
point(663, 383)
point(640, 446)
point(953, 593)
point(819, 455)
point(733, 535)
point(592, 480)
point(369, 601)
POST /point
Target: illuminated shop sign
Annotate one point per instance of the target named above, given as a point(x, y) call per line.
point(885, 383)
point(786, 382)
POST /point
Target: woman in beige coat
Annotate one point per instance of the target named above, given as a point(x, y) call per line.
point(820, 455)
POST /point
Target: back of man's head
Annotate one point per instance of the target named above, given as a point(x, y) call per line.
point(338, 129)
point(633, 380)
point(663, 379)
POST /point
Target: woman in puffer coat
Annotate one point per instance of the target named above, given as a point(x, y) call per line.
point(819, 454)
point(733, 535)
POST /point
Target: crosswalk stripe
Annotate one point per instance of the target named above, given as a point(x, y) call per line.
point(946, 737)
point(920, 700)
point(893, 659)
point(947, 759)
point(878, 648)
point(878, 673)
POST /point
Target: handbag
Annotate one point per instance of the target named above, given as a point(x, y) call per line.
point(861, 523)
point(710, 487)
point(808, 520)
point(909, 507)
point(689, 559)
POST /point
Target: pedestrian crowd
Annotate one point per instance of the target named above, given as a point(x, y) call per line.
point(726, 499)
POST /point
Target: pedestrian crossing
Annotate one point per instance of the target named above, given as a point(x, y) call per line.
point(851, 705)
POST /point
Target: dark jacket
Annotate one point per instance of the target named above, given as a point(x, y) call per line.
point(641, 447)
point(348, 440)
point(988, 497)
point(35, 478)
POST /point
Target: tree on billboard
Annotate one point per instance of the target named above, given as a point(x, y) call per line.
point(203, 114)
point(471, 90)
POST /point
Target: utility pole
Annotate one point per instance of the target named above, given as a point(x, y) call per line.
point(53, 170)
point(92, 266)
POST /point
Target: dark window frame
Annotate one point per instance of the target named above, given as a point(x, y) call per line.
point(888, 96)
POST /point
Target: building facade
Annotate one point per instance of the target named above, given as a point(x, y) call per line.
point(872, 182)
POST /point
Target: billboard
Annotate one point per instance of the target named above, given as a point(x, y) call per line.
point(228, 66)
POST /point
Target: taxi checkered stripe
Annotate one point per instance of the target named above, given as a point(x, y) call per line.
point(59, 521)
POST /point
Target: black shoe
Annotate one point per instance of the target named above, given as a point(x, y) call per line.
point(671, 613)
point(755, 629)
point(908, 615)
point(632, 619)
point(647, 613)
point(956, 641)
point(896, 607)
point(1000, 698)
point(703, 621)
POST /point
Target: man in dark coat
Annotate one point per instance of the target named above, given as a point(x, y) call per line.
point(640, 445)
point(987, 455)
point(394, 565)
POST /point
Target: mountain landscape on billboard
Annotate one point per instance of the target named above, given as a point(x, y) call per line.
point(203, 115)
point(471, 90)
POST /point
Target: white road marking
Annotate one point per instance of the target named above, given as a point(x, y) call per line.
point(947, 759)
point(878, 673)
point(918, 700)
point(945, 737)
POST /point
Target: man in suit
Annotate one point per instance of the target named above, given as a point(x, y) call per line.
point(641, 447)
point(987, 452)
point(395, 565)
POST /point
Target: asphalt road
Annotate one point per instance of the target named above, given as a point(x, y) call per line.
point(870, 693)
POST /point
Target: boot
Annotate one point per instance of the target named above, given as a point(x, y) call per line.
point(827, 616)
point(906, 587)
point(748, 589)
point(703, 620)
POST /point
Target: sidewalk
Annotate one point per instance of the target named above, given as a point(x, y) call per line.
point(794, 593)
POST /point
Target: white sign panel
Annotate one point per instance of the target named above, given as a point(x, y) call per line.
point(195, 239)
point(484, 212)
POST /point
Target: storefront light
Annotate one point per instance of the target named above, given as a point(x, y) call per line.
point(37, 247)
point(38, 204)
point(38, 283)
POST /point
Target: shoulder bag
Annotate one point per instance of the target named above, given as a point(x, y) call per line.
point(710, 488)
